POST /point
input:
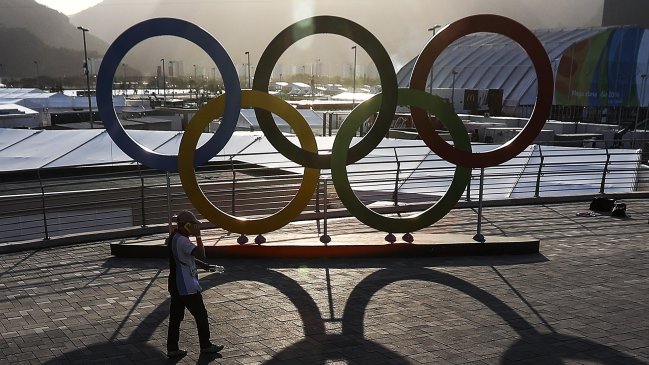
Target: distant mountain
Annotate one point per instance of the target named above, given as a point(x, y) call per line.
point(32, 32)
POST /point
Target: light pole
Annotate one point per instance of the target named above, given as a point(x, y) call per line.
point(249, 78)
point(164, 83)
point(172, 82)
point(637, 110)
point(38, 76)
point(453, 90)
point(124, 77)
point(354, 78)
point(195, 85)
point(646, 113)
point(314, 70)
point(87, 72)
point(212, 85)
point(430, 75)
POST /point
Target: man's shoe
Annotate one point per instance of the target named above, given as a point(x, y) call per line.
point(212, 349)
point(176, 353)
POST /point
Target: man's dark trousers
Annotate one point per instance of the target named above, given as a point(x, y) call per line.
point(193, 303)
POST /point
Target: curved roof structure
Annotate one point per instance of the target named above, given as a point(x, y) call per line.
point(493, 61)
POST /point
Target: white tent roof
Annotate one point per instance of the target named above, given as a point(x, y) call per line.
point(23, 93)
point(22, 149)
point(314, 119)
point(567, 170)
point(19, 109)
point(39, 99)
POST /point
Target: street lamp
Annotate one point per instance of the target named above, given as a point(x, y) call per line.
point(354, 84)
point(430, 75)
point(646, 114)
point(195, 84)
point(38, 76)
point(637, 110)
point(164, 83)
point(314, 69)
point(172, 74)
point(87, 72)
point(453, 90)
point(249, 78)
point(124, 77)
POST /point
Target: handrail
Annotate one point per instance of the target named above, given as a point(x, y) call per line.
point(100, 196)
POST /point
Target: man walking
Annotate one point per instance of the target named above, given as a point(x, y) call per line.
point(183, 285)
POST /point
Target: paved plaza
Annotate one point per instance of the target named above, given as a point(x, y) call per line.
point(583, 300)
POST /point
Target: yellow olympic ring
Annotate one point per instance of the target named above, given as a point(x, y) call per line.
point(213, 109)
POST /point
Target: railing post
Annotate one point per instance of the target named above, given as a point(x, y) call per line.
point(468, 187)
point(395, 194)
point(325, 237)
point(538, 175)
point(331, 117)
point(324, 124)
point(139, 170)
point(234, 180)
point(40, 182)
point(608, 159)
point(317, 206)
point(168, 202)
point(479, 237)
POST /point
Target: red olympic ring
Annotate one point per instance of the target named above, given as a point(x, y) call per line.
point(545, 82)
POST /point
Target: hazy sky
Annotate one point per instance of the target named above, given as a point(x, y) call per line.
point(68, 7)
point(400, 25)
point(561, 11)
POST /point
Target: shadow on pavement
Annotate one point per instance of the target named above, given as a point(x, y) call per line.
point(351, 346)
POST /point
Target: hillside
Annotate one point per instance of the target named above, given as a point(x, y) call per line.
point(30, 31)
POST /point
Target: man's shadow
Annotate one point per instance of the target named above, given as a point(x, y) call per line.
point(317, 347)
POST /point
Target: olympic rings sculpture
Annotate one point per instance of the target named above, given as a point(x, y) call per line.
point(228, 107)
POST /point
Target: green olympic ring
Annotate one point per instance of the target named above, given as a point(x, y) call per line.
point(452, 122)
point(381, 58)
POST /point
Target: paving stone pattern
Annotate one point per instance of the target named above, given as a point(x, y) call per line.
point(583, 300)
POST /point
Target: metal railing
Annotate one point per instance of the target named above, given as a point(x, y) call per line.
point(52, 202)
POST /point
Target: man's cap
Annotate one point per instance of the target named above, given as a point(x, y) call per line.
point(186, 216)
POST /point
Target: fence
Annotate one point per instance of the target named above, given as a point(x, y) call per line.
point(45, 203)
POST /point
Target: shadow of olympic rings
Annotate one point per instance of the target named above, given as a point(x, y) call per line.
point(317, 347)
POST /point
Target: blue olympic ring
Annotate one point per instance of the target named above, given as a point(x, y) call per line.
point(195, 34)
